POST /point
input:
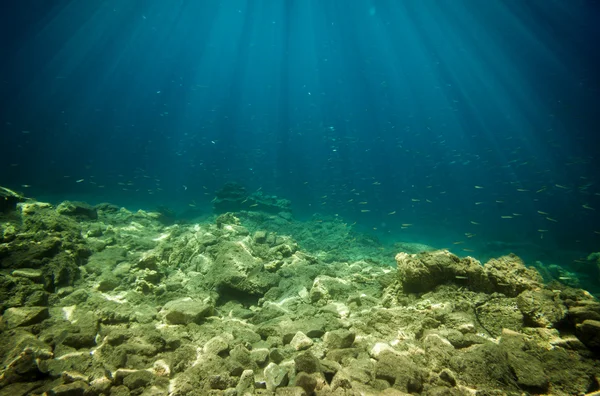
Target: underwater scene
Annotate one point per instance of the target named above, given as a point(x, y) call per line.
point(299, 197)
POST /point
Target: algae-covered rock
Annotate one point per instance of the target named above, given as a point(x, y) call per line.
point(80, 210)
point(9, 199)
point(236, 269)
point(24, 316)
point(499, 313)
point(508, 275)
point(589, 333)
point(541, 308)
point(422, 272)
point(185, 311)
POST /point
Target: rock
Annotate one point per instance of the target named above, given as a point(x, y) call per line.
point(236, 269)
point(107, 283)
point(186, 311)
point(422, 272)
point(216, 346)
point(275, 376)
point(529, 371)
point(290, 391)
point(80, 210)
point(260, 237)
point(219, 381)
point(24, 316)
point(500, 313)
point(338, 339)
point(306, 381)
point(260, 355)
point(449, 376)
point(584, 310)
point(343, 356)
point(22, 355)
point(379, 349)
point(9, 199)
point(341, 380)
point(508, 275)
point(400, 372)
point(326, 287)
point(301, 342)
point(242, 356)
point(541, 308)
point(29, 273)
point(245, 385)
point(307, 362)
point(77, 388)
point(589, 333)
point(138, 379)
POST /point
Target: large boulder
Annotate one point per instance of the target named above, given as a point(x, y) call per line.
point(236, 269)
point(422, 272)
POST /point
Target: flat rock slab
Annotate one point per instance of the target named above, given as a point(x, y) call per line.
point(24, 316)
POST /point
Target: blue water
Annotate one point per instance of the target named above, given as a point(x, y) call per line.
point(461, 123)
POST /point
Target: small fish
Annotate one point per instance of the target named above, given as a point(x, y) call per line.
point(474, 222)
point(522, 190)
point(25, 185)
point(542, 230)
point(478, 203)
point(350, 200)
point(391, 213)
point(468, 250)
point(499, 201)
point(253, 205)
point(560, 186)
point(478, 187)
point(506, 217)
point(516, 214)
point(586, 206)
point(406, 225)
point(461, 277)
point(365, 211)
point(542, 213)
point(541, 190)
point(551, 219)
point(415, 200)
point(363, 203)
point(79, 181)
point(458, 243)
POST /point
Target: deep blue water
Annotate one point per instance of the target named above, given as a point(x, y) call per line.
point(462, 118)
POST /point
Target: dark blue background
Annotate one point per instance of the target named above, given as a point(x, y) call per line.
point(405, 105)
